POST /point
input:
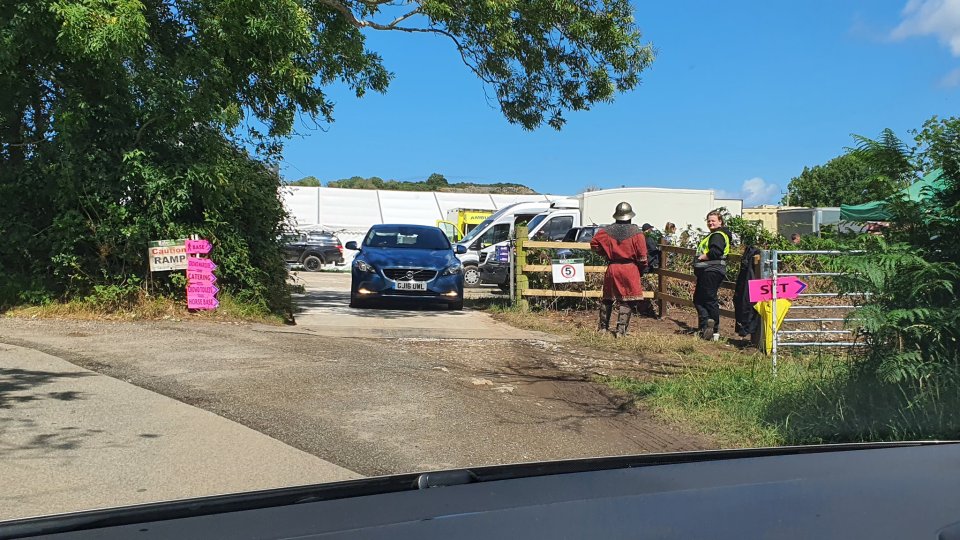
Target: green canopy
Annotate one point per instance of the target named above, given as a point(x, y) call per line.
point(877, 210)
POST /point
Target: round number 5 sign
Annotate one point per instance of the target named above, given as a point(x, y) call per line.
point(568, 271)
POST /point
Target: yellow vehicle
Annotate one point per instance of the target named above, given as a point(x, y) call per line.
point(460, 221)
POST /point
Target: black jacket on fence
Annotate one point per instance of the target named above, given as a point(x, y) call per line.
point(748, 320)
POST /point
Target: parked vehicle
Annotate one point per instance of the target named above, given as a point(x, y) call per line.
point(498, 272)
point(655, 205)
point(581, 234)
point(407, 262)
point(577, 234)
point(461, 221)
point(562, 215)
point(494, 230)
point(312, 249)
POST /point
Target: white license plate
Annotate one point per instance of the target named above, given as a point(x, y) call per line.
point(411, 286)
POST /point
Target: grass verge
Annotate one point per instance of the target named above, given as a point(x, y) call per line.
point(812, 400)
point(147, 308)
point(732, 399)
point(733, 396)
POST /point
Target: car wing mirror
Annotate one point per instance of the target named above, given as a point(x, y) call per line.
point(352, 245)
point(459, 249)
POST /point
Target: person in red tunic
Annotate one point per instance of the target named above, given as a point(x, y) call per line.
point(624, 246)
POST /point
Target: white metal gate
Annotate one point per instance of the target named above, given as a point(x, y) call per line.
point(828, 328)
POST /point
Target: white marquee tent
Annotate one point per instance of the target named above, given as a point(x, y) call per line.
point(355, 210)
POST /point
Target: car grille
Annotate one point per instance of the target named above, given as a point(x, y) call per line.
point(409, 274)
point(483, 257)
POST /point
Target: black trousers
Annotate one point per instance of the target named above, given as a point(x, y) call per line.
point(705, 296)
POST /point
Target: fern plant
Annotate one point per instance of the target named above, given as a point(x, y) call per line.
point(911, 317)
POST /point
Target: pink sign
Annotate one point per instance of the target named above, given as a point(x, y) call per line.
point(202, 290)
point(200, 277)
point(202, 303)
point(196, 263)
point(788, 287)
point(198, 246)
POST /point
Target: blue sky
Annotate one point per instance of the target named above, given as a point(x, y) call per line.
point(741, 96)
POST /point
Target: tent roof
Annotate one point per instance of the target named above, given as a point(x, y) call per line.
point(877, 211)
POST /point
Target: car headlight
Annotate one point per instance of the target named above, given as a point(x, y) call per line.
point(363, 266)
point(452, 269)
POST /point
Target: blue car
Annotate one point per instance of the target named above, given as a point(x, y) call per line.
point(406, 262)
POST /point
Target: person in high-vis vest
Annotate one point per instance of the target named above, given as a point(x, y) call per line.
point(710, 268)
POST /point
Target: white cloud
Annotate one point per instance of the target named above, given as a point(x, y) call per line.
point(758, 191)
point(940, 18)
point(754, 191)
point(951, 80)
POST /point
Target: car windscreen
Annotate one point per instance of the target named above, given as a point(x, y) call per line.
point(477, 230)
point(535, 221)
point(406, 237)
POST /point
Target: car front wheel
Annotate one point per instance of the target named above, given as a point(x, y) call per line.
point(471, 276)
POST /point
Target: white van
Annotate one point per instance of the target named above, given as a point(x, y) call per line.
point(550, 225)
point(497, 229)
point(553, 224)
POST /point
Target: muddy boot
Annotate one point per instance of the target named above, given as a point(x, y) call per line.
point(623, 320)
point(605, 311)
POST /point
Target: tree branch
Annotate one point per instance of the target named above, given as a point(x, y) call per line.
point(345, 11)
point(404, 17)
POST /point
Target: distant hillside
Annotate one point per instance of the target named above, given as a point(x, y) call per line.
point(436, 182)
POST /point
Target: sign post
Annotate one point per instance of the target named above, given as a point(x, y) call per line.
point(568, 271)
point(788, 287)
point(201, 291)
point(166, 255)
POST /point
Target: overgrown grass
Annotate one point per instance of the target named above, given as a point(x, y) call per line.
point(144, 307)
point(812, 400)
point(734, 397)
point(725, 399)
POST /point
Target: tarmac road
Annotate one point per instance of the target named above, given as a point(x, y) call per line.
point(324, 309)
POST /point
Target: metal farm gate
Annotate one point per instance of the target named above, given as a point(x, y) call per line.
point(816, 317)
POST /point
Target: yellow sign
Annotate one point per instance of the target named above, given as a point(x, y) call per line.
point(765, 309)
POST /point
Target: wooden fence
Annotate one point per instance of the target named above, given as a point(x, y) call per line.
point(664, 273)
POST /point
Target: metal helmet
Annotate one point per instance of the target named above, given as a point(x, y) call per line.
point(624, 212)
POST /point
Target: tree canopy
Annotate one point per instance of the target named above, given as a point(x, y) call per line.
point(306, 181)
point(435, 182)
point(123, 121)
point(869, 171)
point(842, 180)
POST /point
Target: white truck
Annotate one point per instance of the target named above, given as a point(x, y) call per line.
point(656, 206)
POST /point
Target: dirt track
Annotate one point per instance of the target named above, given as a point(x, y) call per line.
point(374, 406)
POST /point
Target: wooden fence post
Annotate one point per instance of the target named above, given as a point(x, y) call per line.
point(520, 260)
